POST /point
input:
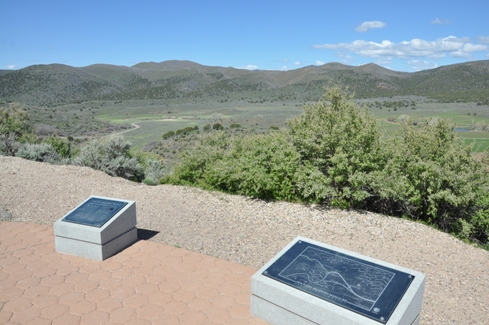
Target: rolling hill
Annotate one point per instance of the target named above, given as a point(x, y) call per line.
point(54, 84)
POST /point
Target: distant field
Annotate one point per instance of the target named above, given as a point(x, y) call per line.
point(150, 131)
point(157, 118)
point(462, 114)
point(478, 140)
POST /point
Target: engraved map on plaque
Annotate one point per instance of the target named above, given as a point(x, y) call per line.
point(95, 212)
point(361, 286)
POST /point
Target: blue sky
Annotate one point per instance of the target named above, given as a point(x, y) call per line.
point(269, 35)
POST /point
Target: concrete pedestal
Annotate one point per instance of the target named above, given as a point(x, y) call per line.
point(279, 303)
point(97, 243)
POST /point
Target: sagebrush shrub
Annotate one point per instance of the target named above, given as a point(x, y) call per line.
point(42, 152)
point(112, 157)
point(153, 172)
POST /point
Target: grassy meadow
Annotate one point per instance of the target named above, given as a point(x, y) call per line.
point(156, 118)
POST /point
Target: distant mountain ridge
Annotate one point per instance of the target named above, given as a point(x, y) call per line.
point(55, 84)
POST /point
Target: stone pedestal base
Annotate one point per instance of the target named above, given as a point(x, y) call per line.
point(97, 243)
point(279, 303)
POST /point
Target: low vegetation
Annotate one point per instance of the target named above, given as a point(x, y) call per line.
point(112, 156)
point(15, 129)
point(334, 154)
point(57, 84)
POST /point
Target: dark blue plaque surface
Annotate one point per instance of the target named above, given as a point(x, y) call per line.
point(95, 212)
point(361, 286)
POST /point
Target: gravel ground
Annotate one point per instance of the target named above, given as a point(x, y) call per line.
point(251, 232)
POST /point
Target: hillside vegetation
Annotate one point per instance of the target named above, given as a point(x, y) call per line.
point(103, 99)
point(233, 132)
point(335, 154)
point(55, 84)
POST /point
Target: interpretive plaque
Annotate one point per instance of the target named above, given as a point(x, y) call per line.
point(95, 212)
point(309, 282)
point(97, 228)
point(364, 287)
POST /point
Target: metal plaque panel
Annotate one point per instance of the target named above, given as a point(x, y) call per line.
point(95, 212)
point(361, 286)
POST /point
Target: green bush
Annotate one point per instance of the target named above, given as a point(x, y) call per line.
point(206, 128)
point(261, 166)
point(430, 175)
point(217, 126)
point(112, 157)
point(187, 130)
point(168, 135)
point(193, 163)
point(334, 154)
point(479, 220)
point(339, 146)
point(15, 129)
point(62, 147)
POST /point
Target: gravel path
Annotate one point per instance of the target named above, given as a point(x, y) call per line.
point(250, 232)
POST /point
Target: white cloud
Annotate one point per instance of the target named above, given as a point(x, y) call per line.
point(438, 21)
point(297, 63)
point(368, 25)
point(415, 48)
point(419, 65)
point(319, 62)
point(284, 68)
point(469, 47)
point(250, 67)
point(459, 54)
point(11, 66)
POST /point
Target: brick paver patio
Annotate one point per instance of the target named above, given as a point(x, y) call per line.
point(147, 283)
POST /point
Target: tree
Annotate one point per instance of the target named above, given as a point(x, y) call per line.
point(339, 145)
point(334, 154)
point(206, 128)
point(15, 129)
point(168, 135)
point(217, 126)
point(429, 174)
